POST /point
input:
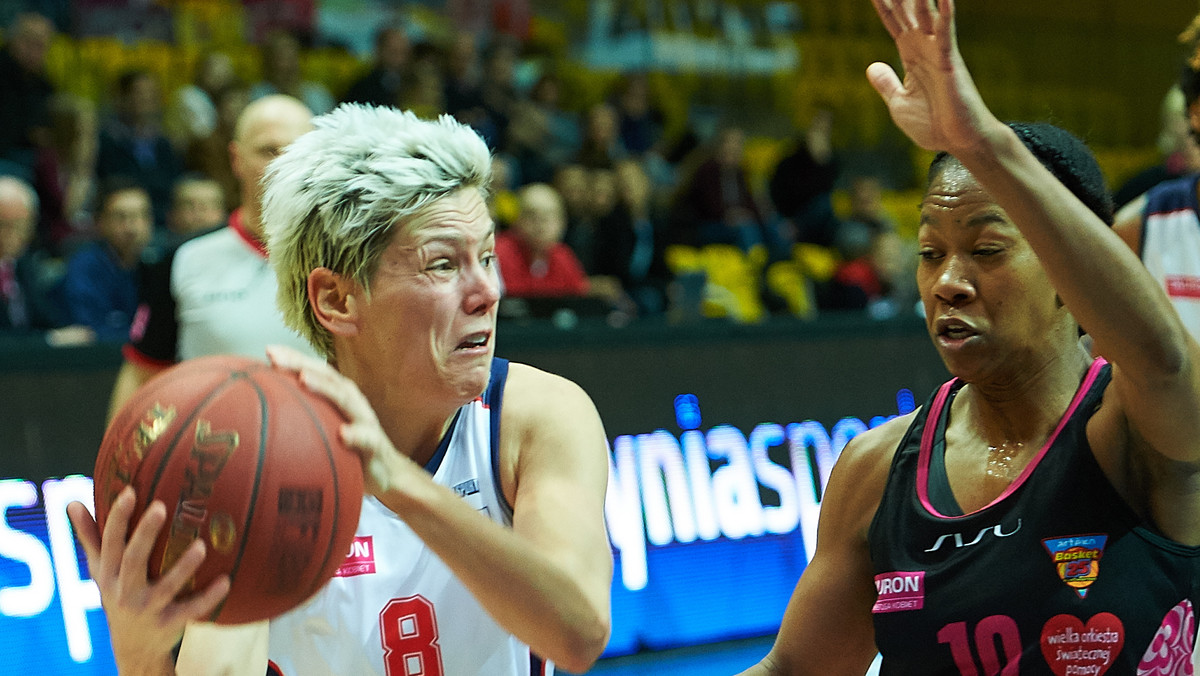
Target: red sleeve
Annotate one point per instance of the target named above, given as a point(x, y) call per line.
point(571, 280)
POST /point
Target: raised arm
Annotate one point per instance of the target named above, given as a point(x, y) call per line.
point(1095, 273)
point(547, 579)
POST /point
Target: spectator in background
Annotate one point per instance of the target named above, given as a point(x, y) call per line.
point(133, 145)
point(65, 175)
point(197, 206)
point(541, 135)
point(215, 294)
point(801, 186)
point(866, 204)
point(573, 183)
point(464, 88)
point(192, 111)
point(716, 206)
point(385, 82)
point(641, 124)
point(424, 90)
point(531, 255)
point(29, 300)
point(210, 155)
point(628, 240)
point(601, 146)
point(498, 88)
point(25, 90)
point(101, 282)
point(281, 74)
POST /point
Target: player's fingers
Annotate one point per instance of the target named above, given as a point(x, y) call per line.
point(885, 81)
point(87, 532)
point(179, 576)
point(886, 11)
point(341, 391)
point(112, 542)
point(367, 439)
point(926, 15)
point(291, 359)
point(201, 606)
point(946, 20)
point(132, 576)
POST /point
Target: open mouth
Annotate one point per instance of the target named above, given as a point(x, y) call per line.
point(475, 341)
point(955, 329)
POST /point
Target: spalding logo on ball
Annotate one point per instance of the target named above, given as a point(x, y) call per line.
point(247, 459)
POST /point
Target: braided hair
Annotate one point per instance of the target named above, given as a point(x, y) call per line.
point(1065, 156)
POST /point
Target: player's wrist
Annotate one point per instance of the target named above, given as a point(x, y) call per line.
point(141, 663)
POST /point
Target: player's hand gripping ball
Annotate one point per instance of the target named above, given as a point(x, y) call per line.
point(247, 459)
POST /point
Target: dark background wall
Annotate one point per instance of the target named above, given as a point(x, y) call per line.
point(53, 402)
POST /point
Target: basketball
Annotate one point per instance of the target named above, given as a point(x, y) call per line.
point(246, 458)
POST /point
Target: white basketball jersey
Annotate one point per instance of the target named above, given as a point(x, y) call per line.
point(224, 293)
point(1171, 245)
point(394, 609)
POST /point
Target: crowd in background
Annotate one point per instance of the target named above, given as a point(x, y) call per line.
point(601, 208)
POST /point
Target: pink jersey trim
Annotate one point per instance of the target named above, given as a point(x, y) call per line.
point(935, 414)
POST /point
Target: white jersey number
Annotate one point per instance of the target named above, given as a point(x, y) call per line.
point(409, 633)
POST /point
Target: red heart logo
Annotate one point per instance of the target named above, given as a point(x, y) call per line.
point(1070, 647)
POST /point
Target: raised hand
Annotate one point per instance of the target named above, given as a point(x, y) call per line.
point(145, 619)
point(937, 104)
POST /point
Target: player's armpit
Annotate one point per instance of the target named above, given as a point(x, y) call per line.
point(223, 650)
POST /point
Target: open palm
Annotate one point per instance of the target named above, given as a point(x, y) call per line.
point(937, 105)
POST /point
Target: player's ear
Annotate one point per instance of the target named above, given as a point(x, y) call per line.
point(331, 297)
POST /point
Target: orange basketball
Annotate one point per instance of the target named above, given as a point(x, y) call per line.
point(246, 458)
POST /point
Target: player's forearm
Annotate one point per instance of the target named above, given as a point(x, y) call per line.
point(561, 612)
point(1103, 284)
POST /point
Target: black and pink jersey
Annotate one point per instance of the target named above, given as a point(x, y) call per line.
point(1057, 576)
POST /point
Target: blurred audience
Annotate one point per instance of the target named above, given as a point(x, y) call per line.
point(30, 289)
point(65, 174)
point(133, 144)
point(192, 112)
point(385, 82)
point(210, 155)
point(25, 91)
point(101, 281)
point(282, 75)
point(197, 206)
point(589, 187)
point(641, 124)
point(541, 135)
point(801, 186)
point(533, 260)
point(628, 244)
point(601, 147)
point(716, 205)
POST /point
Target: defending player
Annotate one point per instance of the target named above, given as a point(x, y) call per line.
point(1041, 513)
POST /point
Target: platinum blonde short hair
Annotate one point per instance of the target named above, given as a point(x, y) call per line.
point(334, 197)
